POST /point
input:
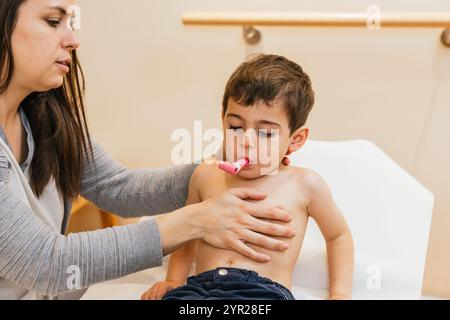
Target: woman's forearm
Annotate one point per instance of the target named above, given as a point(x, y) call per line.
point(47, 260)
point(176, 228)
point(133, 193)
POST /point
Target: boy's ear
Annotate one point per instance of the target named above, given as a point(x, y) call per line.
point(298, 139)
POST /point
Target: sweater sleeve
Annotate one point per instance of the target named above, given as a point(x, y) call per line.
point(133, 193)
point(34, 257)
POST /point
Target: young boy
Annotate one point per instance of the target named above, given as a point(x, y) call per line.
point(266, 104)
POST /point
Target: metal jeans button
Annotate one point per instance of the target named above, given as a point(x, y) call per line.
point(223, 272)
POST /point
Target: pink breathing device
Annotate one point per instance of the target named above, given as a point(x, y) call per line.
point(234, 168)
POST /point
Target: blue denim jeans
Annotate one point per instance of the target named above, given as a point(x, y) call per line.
point(229, 284)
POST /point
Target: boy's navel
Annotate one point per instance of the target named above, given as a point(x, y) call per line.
point(230, 262)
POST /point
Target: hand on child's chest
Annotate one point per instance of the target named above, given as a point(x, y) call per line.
point(281, 190)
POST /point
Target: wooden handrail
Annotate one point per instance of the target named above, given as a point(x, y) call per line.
point(318, 19)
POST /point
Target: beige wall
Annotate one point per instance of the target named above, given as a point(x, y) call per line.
point(148, 75)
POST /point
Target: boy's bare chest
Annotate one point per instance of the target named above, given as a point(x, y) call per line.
point(281, 190)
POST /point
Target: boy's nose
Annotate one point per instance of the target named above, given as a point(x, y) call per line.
point(250, 138)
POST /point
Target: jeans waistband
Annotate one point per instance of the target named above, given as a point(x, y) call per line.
point(225, 274)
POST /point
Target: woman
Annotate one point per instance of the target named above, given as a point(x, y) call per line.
point(45, 142)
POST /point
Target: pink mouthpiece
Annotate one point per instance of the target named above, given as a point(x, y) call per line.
point(234, 168)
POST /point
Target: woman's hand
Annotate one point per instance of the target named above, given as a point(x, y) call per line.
point(228, 222)
point(159, 289)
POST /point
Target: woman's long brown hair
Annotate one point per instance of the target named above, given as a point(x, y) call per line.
point(57, 118)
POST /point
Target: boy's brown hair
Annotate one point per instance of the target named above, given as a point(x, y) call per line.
point(268, 77)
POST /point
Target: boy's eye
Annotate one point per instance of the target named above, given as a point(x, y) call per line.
point(235, 128)
point(53, 22)
point(266, 133)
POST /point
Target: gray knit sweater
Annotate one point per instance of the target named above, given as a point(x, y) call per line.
point(35, 258)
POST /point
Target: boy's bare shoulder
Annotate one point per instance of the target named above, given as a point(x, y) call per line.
point(309, 180)
point(204, 173)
